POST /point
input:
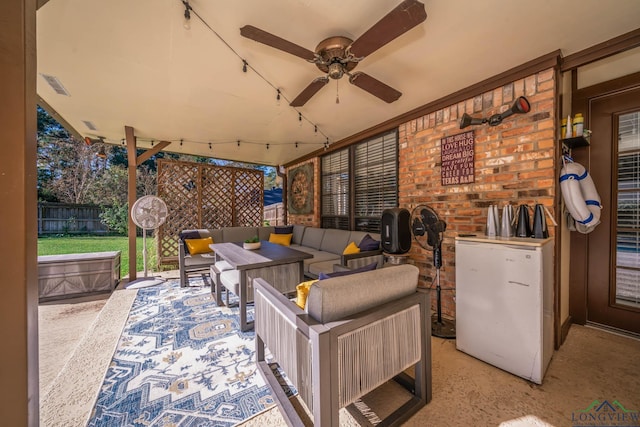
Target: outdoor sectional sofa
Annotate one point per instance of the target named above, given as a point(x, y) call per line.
point(326, 245)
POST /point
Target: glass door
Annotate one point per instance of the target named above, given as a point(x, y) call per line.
point(627, 231)
point(613, 254)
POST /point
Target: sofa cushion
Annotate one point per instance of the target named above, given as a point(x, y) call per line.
point(369, 267)
point(302, 291)
point(238, 234)
point(356, 236)
point(189, 234)
point(199, 260)
point(283, 229)
point(230, 279)
point(315, 265)
point(326, 266)
point(339, 297)
point(312, 237)
point(334, 241)
point(264, 232)
point(280, 239)
point(298, 232)
point(368, 243)
point(198, 246)
point(351, 248)
point(216, 235)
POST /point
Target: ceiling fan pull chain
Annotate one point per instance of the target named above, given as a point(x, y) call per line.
point(337, 93)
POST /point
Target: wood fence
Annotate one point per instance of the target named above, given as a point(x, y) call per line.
point(274, 214)
point(62, 218)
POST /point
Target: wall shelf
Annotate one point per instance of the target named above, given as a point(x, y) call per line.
point(574, 142)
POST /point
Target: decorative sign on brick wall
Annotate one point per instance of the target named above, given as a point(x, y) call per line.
point(457, 153)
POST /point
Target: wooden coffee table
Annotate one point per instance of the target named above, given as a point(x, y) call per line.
point(280, 266)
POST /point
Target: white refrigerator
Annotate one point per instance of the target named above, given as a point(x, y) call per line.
point(504, 303)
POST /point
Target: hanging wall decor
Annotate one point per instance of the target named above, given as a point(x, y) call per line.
point(457, 153)
point(300, 185)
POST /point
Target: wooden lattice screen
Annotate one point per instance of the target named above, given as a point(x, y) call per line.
point(206, 196)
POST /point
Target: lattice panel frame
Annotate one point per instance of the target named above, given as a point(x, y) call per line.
point(200, 195)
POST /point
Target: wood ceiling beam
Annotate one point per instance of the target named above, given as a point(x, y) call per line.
point(151, 152)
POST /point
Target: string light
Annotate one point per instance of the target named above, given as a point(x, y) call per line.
point(209, 146)
point(187, 15)
point(238, 143)
point(267, 146)
point(296, 144)
point(152, 141)
point(315, 128)
point(122, 141)
point(245, 65)
point(278, 98)
point(180, 143)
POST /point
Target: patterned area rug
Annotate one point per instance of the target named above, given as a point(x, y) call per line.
point(181, 361)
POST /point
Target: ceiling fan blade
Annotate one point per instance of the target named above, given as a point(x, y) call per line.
point(309, 91)
point(404, 17)
point(256, 34)
point(374, 87)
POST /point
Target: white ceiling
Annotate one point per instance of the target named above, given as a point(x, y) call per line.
point(132, 63)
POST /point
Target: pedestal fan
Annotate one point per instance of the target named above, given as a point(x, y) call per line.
point(148, 213)
point(428, 230)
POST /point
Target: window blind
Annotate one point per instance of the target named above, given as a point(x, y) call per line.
point(335, 190)
point(359, 182)
point(376, 180)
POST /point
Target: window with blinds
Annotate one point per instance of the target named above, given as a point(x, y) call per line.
point(376, 180)
point(628, 213)
point(370, 170)
point(335, 190)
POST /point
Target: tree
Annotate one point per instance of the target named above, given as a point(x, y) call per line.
point(67, 168)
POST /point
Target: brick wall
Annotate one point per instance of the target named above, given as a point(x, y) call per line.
point(514, 163)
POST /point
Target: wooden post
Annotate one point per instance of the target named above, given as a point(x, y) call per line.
point(134, 161)
point(19, 405)
point(132, 167)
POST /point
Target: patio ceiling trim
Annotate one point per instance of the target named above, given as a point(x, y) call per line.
point(603, 50)
point(550, 60)
point(65, 124)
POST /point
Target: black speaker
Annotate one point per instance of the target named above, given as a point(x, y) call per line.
point(396, 230)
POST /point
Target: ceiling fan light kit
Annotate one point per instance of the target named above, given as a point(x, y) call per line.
point(338, 55)
point(520, 106)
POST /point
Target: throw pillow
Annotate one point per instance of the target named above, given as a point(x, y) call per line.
point(372, 266)
point(281, 239)
point(368, 243)
point(302, 291)
point(199, 246)
point(283, 229)
point(191, 234)
point(351, 248)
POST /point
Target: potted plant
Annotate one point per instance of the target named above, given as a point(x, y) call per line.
point(252, 243)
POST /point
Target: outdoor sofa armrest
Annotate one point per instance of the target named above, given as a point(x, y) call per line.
point(362, 258)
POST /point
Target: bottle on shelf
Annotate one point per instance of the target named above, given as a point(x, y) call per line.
point(569, 128)
point(578, 125)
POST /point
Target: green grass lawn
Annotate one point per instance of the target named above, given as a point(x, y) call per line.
point(83, 244)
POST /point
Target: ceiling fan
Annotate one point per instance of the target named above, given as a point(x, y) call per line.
point(338, 55)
